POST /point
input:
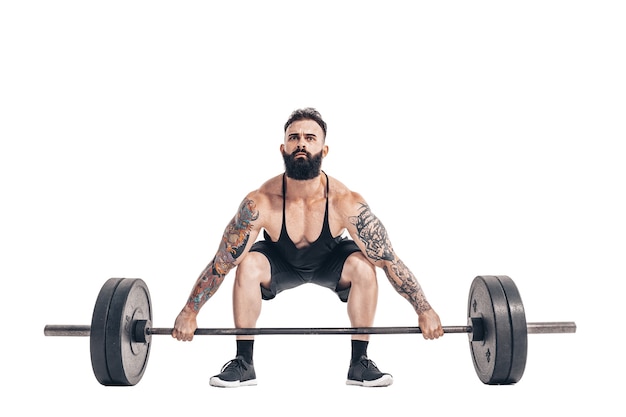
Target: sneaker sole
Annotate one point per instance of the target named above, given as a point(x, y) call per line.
point(383, 381)
point(216, 382)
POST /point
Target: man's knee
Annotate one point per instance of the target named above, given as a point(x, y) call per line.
point(358, 270)
point(254, 269)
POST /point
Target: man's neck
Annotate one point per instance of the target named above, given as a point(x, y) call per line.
point(305, 189)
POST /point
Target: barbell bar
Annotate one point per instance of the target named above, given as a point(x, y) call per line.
point(121, 331)
point(85, 330)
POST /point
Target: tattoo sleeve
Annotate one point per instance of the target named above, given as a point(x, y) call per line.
point(232, 246)
point(378, 248)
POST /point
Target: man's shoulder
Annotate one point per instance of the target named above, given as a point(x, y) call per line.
point(341, 193)
point(268, 191)
point(272, 186)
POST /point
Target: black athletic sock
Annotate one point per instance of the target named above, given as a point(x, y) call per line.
point(245, 348)
point(359, 348)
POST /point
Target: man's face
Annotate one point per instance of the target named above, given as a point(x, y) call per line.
point(303, 150)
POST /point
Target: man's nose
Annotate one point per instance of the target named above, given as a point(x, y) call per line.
point(301, 143)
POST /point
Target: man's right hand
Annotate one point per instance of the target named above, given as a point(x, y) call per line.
point(185, 326)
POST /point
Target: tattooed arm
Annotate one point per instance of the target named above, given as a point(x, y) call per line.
point(371, 236)
point(239, 233)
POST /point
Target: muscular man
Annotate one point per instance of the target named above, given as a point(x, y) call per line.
point(303, 214)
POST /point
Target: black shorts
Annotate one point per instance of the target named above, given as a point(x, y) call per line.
point(285, 276)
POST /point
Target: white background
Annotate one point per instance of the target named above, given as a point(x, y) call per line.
point(487, 136)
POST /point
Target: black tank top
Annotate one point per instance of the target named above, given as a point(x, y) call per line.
point(309, 258)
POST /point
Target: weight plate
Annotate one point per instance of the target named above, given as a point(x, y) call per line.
point(519, 329)
point(97, 337)
point(493, 355)
point(127, 359)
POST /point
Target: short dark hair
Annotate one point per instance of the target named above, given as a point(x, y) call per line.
point(307, 113)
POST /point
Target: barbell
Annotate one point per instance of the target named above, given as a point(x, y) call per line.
point(121, 330)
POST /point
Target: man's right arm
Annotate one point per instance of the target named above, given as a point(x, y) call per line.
point(238, 236)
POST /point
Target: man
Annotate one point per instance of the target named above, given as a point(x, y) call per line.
point(303, 214)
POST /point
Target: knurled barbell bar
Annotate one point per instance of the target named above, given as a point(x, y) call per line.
point(121, 331)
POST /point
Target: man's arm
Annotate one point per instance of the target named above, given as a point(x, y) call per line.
point(239, 234)
point(371, 236)
point(373, 239)
point(233, 245)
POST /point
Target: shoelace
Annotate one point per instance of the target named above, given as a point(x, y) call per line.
point(368, 363)
point(235, 363)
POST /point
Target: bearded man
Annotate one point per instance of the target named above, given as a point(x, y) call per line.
point(303, 214)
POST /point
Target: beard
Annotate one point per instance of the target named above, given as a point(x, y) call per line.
point(302, 168)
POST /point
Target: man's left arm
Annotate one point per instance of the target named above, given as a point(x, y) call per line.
point(371, 236)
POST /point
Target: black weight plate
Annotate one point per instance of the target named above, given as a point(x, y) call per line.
point(97, 337)
point(519, 329)
point(127, 359)
point(492, 356)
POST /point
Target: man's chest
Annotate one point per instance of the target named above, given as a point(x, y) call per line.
point(303, 220)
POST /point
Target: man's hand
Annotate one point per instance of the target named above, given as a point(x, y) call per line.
point(185, 325)
point(430, 324)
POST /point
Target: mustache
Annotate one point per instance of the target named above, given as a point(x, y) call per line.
point(301, 150)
